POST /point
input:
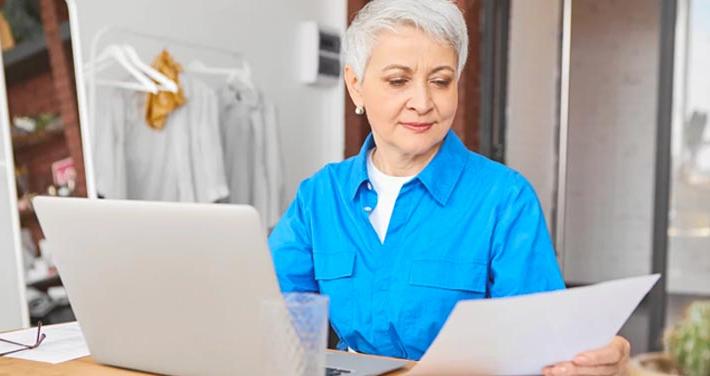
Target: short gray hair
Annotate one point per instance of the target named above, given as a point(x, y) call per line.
point(441, 19)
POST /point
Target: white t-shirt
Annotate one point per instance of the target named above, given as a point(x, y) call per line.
point(387, 188)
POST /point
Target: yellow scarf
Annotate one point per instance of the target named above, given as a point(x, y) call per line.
point(159, 106)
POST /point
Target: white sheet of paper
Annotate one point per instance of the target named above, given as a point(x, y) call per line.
point(64, 342)
point(521, 335)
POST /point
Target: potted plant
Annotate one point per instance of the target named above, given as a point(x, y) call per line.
point(687, 347)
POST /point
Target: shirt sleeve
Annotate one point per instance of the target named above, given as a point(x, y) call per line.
point(523, 259)
point(291, 247)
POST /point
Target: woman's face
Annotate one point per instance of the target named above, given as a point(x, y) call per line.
point(409, 91)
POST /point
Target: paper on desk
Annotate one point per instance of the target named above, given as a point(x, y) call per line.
point(521, 335)
point(64, 342)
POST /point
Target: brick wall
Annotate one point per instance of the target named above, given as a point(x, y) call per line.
point(64, 85)
point(50, 91)
point(467, 120)
point(32, 96)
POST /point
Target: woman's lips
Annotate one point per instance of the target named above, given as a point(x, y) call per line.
point(418, 127)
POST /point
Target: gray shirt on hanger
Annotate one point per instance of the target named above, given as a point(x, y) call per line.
point(252, 151)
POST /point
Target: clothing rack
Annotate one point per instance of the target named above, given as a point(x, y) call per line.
point(97, 41)
point(157, 38)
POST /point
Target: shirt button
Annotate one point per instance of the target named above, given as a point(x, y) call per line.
point(367, 209)
point(369, 186)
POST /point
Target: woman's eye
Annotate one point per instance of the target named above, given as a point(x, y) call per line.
point(397, 82)
point(441, 83)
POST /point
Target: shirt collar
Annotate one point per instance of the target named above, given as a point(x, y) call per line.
point(358, 174)
point(439, 177)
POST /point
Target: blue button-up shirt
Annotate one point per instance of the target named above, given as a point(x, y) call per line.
point(464, 228)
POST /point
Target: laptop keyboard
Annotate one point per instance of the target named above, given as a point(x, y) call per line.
point(336, 372)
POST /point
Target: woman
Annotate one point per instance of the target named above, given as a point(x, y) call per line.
point(396, 235)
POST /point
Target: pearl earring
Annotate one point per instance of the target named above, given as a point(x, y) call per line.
point(360, 110)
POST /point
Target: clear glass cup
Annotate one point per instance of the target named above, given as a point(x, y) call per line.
point(295, 328)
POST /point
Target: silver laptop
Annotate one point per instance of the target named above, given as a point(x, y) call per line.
point(171, 288)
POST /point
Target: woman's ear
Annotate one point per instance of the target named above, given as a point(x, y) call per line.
point(354, 86)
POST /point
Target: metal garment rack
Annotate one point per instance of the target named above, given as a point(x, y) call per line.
point(87, 113)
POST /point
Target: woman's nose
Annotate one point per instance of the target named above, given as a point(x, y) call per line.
point(420, 100)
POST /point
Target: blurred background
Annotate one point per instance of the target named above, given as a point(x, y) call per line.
point(602, 104)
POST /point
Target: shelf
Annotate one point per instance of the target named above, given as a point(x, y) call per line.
point(25, 143)
point(45, 283)
point(30, 57)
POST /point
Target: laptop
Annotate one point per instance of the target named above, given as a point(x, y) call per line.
point(171, 288)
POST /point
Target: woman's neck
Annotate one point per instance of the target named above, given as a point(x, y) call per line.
point(393, 163)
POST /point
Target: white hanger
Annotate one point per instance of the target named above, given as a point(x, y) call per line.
point(164, 82)
point(243, 74)
point(112, 54)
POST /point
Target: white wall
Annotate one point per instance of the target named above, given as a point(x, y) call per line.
point(533, 95)
point(311, 118)
point(612, 125)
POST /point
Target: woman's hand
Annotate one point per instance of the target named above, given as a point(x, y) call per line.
point(611, 360)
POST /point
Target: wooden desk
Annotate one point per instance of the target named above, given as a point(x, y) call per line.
point(85, 366)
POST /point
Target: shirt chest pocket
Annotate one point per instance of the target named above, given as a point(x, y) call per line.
point(333, 265)
point(464, 277)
